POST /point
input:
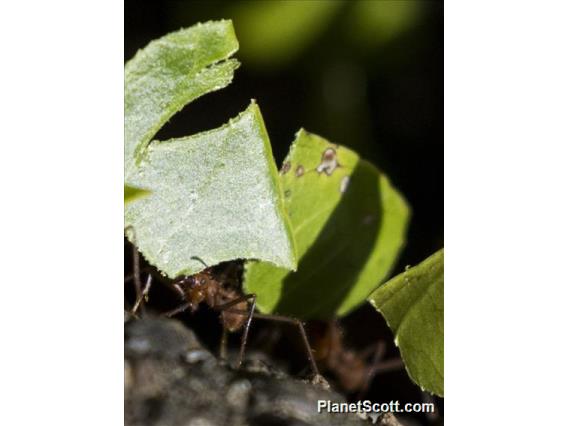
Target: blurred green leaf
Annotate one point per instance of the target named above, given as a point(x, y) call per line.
point(214, 195)
point(373, 23)
point(131, 194)
point(349, 224)
point(413, 305)
point(274, 32)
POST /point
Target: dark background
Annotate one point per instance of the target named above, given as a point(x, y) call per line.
point(365, 74)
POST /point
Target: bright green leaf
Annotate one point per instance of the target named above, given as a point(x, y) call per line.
point(413, 305)
point(215, 195)
point(349, 224)
point(131, 194)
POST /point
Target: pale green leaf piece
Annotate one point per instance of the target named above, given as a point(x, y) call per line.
point(214, 196)
point(349, 224)
point(131, 194)
point(169, 73)
point(413, 306)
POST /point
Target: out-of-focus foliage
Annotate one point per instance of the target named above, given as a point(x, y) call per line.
point(413, 305)
point(349, 224)
point(275, 32)
point(372, 23)
point(215, 195)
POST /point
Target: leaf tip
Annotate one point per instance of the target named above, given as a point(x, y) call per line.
point(131, 193)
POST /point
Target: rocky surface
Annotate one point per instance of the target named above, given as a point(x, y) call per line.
point(170, 379)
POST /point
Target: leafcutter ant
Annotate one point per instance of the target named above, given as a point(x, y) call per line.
point(351, 368)
point(237, 309)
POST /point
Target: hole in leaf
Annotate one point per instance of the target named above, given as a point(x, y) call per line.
point(205, 113)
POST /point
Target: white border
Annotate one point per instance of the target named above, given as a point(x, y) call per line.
point(61, 217)
point(506, 212)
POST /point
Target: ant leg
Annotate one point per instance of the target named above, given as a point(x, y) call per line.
point(136, 273)
point(143, 296)
point(303, 334)
point(389, 365)
point(378, 366)
point(223, 345)
point(244, 337)
point(297, 323)
point(177, 288)
point(379, 352)
point(177, 310)
point(300, 325)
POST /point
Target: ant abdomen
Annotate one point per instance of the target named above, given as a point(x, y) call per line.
point(234, 321)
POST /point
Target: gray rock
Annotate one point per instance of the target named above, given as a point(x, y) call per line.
point(171, 380)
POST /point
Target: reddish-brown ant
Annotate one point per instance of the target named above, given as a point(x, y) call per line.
point(237, 309)
point(351, 368)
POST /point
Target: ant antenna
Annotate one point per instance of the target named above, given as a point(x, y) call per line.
point(200, 260)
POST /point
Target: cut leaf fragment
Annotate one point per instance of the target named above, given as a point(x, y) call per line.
point(349, 224)
point(168, 74)
point(215, 195)
point(413, 306)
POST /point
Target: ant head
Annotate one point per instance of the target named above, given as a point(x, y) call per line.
point(196, 281)
point(197, 288)
point(193, 289)
point(192, 282)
